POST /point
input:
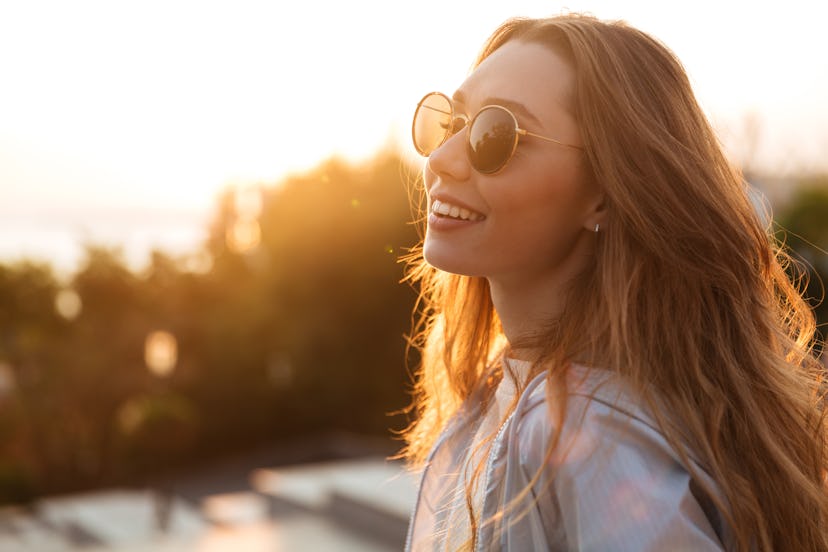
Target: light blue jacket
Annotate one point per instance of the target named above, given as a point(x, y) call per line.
point(614, 483)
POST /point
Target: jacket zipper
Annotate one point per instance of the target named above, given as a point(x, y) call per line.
point(489, 463)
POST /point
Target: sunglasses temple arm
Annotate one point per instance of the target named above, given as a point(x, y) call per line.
point(527, 133)
point(437, 110)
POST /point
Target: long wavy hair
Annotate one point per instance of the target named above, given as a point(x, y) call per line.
point(687, 297)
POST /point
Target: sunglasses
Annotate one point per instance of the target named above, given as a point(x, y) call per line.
point(492, 136)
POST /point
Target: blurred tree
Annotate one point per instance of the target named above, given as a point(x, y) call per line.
point(295, 327)
point(156, 431)
point(804, 229)
point(28, 326)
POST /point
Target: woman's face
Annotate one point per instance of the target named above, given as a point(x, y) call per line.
point(528, 220)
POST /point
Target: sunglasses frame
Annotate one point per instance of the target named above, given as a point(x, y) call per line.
point(468, 123)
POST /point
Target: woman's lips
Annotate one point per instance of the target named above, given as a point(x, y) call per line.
point(448, 210)
point(447, 216)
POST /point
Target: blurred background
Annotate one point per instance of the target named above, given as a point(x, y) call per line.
point(202, 210)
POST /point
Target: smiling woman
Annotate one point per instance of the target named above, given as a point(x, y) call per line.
point(578, 203)
point(526, 228)
point(156, 105)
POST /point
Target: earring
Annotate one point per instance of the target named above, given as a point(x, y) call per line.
point(597, 227)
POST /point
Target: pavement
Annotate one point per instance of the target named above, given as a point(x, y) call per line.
point(352, 504)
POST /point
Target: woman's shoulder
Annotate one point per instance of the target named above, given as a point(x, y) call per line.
point(591, 395)
point(603, 414)
point(610, 458)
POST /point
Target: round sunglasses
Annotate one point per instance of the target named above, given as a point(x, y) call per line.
point(490, 141)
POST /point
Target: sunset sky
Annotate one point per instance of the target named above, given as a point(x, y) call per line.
point(121, 121)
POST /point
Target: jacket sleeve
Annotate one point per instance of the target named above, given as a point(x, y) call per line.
point(615, 483)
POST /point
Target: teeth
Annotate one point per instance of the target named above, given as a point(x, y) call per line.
point(454, 211)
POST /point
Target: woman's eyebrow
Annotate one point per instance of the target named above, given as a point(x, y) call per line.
point(515, 107)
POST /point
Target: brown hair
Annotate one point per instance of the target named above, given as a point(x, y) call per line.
point(736, 372)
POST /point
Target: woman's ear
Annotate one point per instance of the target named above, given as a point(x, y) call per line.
point(596, 212)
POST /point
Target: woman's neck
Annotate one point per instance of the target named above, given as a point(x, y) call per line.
point(524, 314)
point(528, 304)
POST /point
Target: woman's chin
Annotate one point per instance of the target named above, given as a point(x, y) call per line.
point(447, 261)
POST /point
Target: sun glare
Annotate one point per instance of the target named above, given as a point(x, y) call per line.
point(112, 105)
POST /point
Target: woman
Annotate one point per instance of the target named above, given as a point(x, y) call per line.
point(612, 355)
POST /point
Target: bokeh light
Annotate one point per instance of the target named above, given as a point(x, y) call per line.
point(129, 417)
point(248, 202)
point(244, 235)
point(161, 353)
point(200, 262)
point(68, 304)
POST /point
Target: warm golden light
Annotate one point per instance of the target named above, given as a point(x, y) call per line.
point(261, 535)
point(198, 263)
point(248, 202)
point(229, 121)
point(234, 508)
point(161, 353)
point(244, 235)
point(68, 304)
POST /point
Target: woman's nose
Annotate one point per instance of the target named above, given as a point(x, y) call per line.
point(449, 161)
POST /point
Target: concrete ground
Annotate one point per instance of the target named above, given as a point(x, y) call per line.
point(244, 505)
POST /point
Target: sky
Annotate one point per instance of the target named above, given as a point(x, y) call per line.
point(120, 122)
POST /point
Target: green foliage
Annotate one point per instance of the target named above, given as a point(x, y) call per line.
point(301, 334)
point(16, 484)
point(155, 431)
point(804, 230)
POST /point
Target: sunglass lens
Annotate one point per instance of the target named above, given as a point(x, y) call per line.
point(431, 123)
point(491, 139)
